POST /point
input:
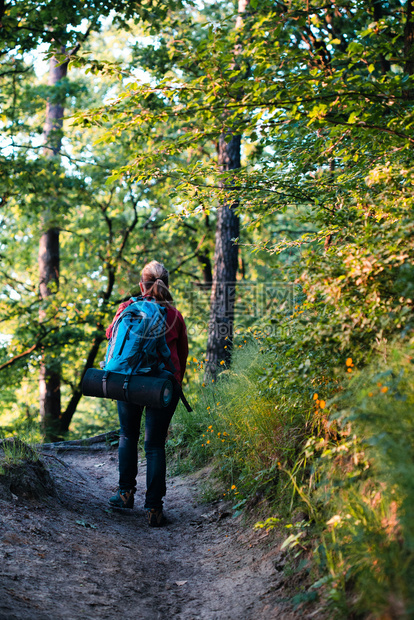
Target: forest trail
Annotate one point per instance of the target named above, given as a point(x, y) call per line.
point(72, 557)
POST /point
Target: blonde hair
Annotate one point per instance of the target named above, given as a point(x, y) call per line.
point(155, 277)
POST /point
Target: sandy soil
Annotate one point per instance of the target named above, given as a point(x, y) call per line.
point(70, 556)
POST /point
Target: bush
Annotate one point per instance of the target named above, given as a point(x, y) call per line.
point(365, 494)
point(285, 426)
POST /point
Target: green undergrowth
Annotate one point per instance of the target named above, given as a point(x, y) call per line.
point(333, 443)
point(363, 493)
point(241, 429)
point(14, 451)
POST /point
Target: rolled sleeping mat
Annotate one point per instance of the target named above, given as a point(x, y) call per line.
point(137, 389)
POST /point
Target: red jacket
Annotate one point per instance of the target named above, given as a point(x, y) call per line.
point(175, 335)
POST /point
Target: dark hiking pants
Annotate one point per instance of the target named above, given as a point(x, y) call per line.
point(157, 422)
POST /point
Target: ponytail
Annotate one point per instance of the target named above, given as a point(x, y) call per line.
point(154, 277)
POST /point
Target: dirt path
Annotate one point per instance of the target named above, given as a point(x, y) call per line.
point(72, 557)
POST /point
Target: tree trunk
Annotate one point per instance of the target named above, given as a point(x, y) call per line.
point(223, 291)
point(409, 44)
point(205, 263)
point(49, 380)
point(67, 415)
point(220, 331)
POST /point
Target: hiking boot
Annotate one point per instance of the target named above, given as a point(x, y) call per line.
point(122, 499)
point(155, 517)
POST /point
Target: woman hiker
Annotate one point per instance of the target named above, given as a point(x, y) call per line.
point(153, 284)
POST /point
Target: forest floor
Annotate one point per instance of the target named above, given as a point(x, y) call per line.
point(68, 555)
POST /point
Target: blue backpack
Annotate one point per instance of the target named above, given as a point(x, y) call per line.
point(138, 339)
point(137, 343)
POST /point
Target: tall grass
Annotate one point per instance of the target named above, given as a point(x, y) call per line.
point(240, 429)
point(14, 451)
point(367, 490)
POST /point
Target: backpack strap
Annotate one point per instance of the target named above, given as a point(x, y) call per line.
point(104, 383)
point(125, 387)
point(181, 394)
point(168, 363)
point(185, 401)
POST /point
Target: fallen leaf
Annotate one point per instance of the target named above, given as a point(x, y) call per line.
point(86, 524)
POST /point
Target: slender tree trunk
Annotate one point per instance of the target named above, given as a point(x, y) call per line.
point(67, 415)
point(409, 43)
point(378, 14)
point(49, 380)
point(223, 291)
point(205, 263)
